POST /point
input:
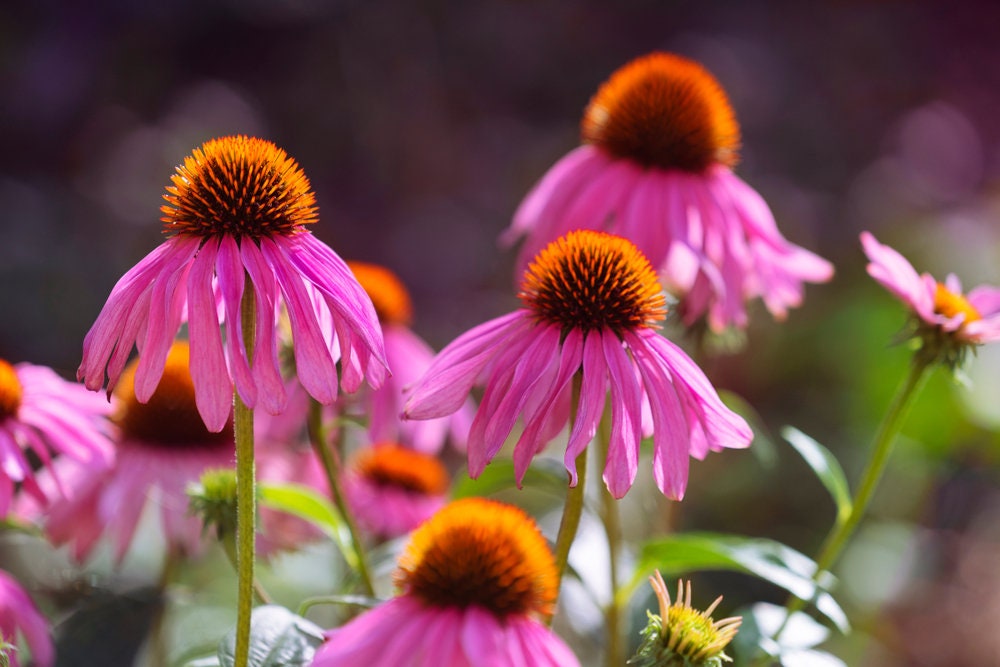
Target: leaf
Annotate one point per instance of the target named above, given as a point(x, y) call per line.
point(826, 467)
point(770, 560)
point(278, 638)
point(794, 648)
point(544, 475)
point(307, 504)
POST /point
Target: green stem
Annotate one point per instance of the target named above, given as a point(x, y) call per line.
point(881, 449)
point(573, 508)
point(612, 528)
point(246, 496)
point(331, 465)
point(229, 547)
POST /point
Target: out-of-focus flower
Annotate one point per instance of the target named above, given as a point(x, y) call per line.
point(162, 446)
point(41, 412)
point(591, 302)
point(236, 217)
point(660, 140)
point(391, 490)
point(408, 356)
point(18, 614)
point(475, 580)
point(682, 636)
point(950, 321)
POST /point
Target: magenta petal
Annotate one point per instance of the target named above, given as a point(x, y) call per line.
point(213, 389)
point(449, 379)
point(313, 359)
point(231, 279)
point(531, 441)
point(670, 426)
point(482, 638)
point(593, 391)
point(266, 366)
point(626, 418)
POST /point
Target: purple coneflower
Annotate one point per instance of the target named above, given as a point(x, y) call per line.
point(236, 217)
point(162, 446)
point(43, 413)
point(391, 489)
point(475, 582)
point(591, 302)
point(19, 615)
point(660, 140)
point(972, 318)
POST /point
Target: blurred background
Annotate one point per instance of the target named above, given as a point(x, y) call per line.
point(421, 126)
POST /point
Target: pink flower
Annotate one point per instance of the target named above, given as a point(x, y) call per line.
point(591, 300)
point(41, 412)
point(18, 614)
point(162, 446)
point(967, 318)
point(236, 214)
point(475, 581)
point(391, 490)
point(408, 356)
point(660, 142)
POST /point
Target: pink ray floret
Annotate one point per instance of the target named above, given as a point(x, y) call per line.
point(408, 633)
point(20, 616)
point(921, 293)
point(51, 417)
point(203, 282)
point(711, 236)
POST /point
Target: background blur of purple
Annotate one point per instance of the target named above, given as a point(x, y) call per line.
point(421, 125)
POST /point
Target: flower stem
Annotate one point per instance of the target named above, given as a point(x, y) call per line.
point(573, 508)
point(881, 449)
point(612, 528)
point(246, 496)
point(331, 465)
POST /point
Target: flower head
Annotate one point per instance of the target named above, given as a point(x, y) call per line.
point(475, 580)
point(408, 355)
point(949, 320)
point(161, 446)
point(682, 636)
point(42, 413)
point(590, 304)
point(391, 489)
point(660, 139)
point(19, 615)
point(236, 219)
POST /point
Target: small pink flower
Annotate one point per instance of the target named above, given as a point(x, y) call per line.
point(591, 300)
point(391, 490)
point(476, 580)
point(41, 412)
point(968, 318)
point(162, 446)
point(660, 142)
point(19, 615)
point(236, 214)
point(408, 356)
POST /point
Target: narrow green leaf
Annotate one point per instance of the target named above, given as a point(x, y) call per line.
point(278, 638)
point(306, 503)
point(826, 467)
point(770, 560)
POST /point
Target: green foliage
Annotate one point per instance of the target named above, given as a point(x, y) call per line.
point(306, 503)
point(278, 638)
point(826, 467)
point(767, 559)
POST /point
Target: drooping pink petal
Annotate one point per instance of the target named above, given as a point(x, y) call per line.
point(626, 418)
point(266, 365)
point(213, 388)
point(593, 390)
point(232, 279)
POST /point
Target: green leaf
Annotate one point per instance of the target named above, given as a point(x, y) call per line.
point(548, 475)
point(770, 560)
point(826, 467)
point(278, 638)
point(306, 503)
